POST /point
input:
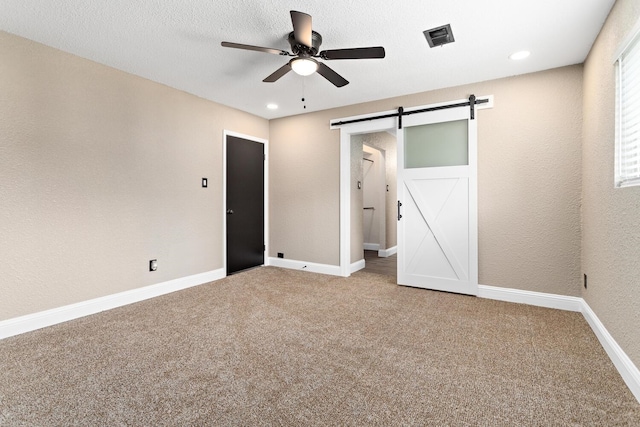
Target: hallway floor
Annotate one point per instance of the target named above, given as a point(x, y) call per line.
point(380, 265)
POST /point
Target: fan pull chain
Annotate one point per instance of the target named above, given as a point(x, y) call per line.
point(304, 105)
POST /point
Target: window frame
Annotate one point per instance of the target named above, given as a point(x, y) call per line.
point(631, 46)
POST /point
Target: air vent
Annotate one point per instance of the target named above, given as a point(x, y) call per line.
point(439, 36)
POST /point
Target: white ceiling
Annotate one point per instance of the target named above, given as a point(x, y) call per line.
point(177, 42)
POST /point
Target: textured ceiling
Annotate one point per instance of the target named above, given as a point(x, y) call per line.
point(177, 43)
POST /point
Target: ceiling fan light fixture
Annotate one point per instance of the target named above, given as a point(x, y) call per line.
point(305, 46)
point(304, 66)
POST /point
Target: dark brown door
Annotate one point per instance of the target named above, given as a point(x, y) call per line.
point(245, 204)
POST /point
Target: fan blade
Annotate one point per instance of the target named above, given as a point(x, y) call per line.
point(278, 73)
point(355, 53)
point(301, 27)
point(256, 48)
point(331, 75)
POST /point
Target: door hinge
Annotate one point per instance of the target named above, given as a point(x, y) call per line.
point(399, 215)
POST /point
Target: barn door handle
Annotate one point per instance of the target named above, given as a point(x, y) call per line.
point(399, 215)
point(230, 211)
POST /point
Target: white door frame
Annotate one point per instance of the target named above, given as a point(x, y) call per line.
point(389, 124)
point(265, 142)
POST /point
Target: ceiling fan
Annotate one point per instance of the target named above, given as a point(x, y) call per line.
point(305, 44)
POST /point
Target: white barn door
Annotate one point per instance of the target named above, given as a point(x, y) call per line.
point(437, 192)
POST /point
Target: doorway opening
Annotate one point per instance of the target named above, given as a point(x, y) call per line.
point(350, 211)
point(374, 228)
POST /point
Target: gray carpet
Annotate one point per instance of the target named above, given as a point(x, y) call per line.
point(280, 347)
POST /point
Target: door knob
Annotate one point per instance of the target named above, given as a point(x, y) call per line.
point(230, 211)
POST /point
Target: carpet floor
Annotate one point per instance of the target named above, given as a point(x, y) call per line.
point(279, 347)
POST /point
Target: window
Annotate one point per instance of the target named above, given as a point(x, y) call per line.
point(627, 160)
point(437, 144)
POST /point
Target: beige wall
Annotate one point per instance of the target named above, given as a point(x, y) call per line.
point(304, 189)
point(611, 217)
point(528, 174)
point(99, 173)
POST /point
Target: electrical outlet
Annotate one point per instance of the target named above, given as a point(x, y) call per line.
point(153, 265)
point(585, 281)
point(280, 255)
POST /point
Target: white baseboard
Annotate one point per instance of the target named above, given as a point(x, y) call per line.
point(358, 265)
point(371, 246)
point(539, 299)
point(333, 270)
point(387, 252)
point(627, 369)
point(31, 322)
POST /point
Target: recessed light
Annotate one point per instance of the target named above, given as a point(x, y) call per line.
point(519, 55)
point(272, 106)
